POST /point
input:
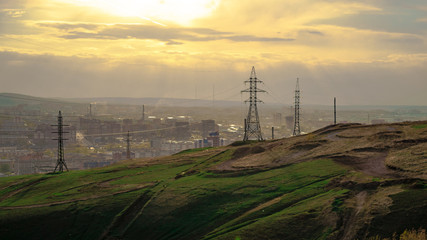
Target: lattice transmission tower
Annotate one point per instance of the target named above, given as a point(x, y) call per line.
point(297, 130)
point(60, 162)
point(252, 126)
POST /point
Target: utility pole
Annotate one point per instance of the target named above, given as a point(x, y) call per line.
point(335, 111)
point(272, 133)
point(60, 163)
point(297, 130)
point(143, 113)
point(128, 146)
point(252, 126)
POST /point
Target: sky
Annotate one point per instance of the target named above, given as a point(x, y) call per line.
point(364, 52)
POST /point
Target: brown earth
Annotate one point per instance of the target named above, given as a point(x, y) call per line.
point(379, 150)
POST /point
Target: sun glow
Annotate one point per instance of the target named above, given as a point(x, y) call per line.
point(176, 11)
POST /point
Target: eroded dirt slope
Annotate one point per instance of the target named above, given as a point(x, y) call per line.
point(384, 150)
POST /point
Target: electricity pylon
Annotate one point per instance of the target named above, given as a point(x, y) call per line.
point(252, 126)
point(297, 130)
point(60, 162)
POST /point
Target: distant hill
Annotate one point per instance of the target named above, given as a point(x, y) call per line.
point(158, 101)
point(13, 99)
point(347, 181)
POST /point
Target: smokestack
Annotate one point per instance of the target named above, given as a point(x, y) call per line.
point(143, 112)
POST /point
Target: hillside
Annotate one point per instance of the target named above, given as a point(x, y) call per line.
point(347, 181)
point(13, 99)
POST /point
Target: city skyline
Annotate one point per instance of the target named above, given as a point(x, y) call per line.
point(363, 53)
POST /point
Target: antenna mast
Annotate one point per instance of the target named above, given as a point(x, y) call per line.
point(252, 126)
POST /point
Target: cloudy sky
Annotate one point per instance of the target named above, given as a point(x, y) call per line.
point(364, 52)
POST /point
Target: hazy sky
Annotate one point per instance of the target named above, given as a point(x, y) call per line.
point(362, 51)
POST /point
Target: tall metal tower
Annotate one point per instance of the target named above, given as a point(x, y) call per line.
point(297, 130)
point(252, 126)
point(60, 163)
point(128, 146)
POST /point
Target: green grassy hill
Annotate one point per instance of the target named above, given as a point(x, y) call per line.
point(341, 182)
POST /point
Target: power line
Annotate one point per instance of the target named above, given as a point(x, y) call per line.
point(141, 131)
point(272, 95)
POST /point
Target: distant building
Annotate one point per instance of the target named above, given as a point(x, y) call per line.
point(6, 166)
point(182, 130)
point(14, 132)
point(87, 165)
point(90, 126)
point(44, 134)
point(155, 121)
point(277, 119)
point(208, 126)
point(176, 146)
point(122, 155)
point(127, 125)
point(170, 121)
point(378, 121)
point(289, 122)
point(214, 139)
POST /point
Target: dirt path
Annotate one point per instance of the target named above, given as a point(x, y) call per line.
point(373, 165)
point(351, 225)
point(262, 206)
point(127, 217)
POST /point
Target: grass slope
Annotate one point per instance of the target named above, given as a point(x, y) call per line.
point(308, 187)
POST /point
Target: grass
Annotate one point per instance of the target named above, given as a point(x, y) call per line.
point(193, 150)
point(420, 126)
point(190, 206)
point(411, 202)
point(85, 220)
point(198, 204)
point(87, 184)
point(299, 221)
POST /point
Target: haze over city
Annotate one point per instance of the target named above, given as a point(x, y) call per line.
point(362, 52)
